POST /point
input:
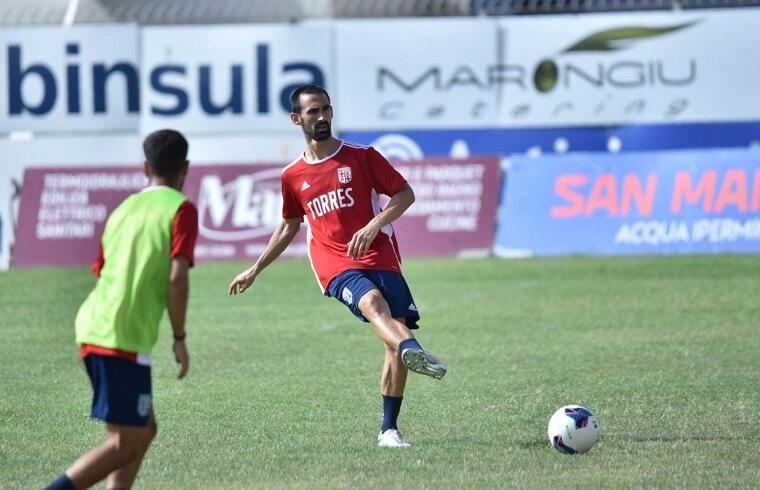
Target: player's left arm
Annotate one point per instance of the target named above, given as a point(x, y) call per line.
point(177, 296)
point(399, 203)
point(182, 253)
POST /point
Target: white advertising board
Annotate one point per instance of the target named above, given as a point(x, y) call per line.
point(5, 219)
point(417, 73)
point(229, 78)
point(609, 69)
point(404, 74)
point(69, 79)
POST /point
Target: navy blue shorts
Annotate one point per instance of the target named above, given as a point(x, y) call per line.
point(122, 390)
point(348, 287)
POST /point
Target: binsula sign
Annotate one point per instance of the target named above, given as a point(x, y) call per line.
point(63, 210)
point(73, 79)
point(239, 78)
point(117, 77)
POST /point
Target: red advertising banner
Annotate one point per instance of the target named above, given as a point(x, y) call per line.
point(63, 210)
point(239, 206)
point(454, 212)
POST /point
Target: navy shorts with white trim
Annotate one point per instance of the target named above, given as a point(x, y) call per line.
point(122, 390)
point(348, 287)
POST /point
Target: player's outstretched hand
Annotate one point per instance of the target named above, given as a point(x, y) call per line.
point(182, 357)
point(362, 240)
point(242, 282)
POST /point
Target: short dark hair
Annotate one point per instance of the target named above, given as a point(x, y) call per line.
point(166, 152)
point(295, 96)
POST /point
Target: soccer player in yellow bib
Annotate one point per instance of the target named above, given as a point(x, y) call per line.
point(146, 251)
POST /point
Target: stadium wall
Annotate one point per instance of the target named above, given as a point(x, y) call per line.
point(608, 83)
point(598, 70)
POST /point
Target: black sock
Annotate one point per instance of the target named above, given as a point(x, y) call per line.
point(391, 408)
point(62, 483)
point(410, 343)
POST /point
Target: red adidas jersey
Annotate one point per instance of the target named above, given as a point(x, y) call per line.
point(339, 196)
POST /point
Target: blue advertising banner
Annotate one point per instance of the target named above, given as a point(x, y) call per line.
point(648, 137)
point(461, 143)
point(634, 203)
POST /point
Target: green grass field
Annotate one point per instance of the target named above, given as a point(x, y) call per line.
point(283, 390)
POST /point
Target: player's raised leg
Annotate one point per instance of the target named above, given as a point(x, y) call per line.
point(375, 309)
point(397, 335)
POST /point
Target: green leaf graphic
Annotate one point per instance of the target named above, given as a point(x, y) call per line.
point(622, 37)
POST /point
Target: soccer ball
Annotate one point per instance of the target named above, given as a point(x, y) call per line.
point(573, 429)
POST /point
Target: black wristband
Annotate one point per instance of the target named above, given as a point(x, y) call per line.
point(180, 337)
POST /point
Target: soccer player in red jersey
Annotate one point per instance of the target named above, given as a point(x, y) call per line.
point(146, 250)
point(352, 248)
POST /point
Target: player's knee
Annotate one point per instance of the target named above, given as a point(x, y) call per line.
point(373, 304)
point(126, 447)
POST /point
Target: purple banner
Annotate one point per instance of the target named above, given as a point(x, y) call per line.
point(455, 208)
point(63, 210)
point(239, 206)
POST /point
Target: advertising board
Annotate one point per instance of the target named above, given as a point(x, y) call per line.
point(63, 210)
point(81, 78)
point(634, 203)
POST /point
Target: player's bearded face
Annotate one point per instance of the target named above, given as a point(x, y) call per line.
point(315, 116)
point(320, 131)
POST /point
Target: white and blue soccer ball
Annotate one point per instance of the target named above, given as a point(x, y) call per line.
point(573, 429)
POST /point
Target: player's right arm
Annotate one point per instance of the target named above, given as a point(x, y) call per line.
point(280, 240)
